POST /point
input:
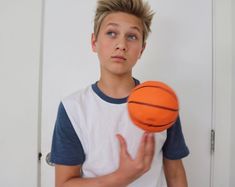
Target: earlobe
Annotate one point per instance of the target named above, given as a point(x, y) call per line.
point(142, 50)
point(93, 42)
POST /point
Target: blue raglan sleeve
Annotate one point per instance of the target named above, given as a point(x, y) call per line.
point(66, 147)
point(175, 147)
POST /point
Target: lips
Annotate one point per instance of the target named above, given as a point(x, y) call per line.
point(118, 58)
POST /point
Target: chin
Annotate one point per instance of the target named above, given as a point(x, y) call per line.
point(121, 73)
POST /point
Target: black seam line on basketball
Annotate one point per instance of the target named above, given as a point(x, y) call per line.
point(170, 92)
point(156, 106)
point(151, 125)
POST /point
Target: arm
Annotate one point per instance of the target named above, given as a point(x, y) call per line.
point(128, 171)
point(69, 176)
point(175, 173)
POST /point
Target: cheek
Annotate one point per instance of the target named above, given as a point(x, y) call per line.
point(137, 52)
point(105, 47)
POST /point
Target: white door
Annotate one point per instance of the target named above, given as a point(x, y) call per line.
point(179, 52)
point(20, 23)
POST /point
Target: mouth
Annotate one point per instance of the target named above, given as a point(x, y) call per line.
point(118, 58)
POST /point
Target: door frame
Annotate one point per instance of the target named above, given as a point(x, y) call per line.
point(222, 81)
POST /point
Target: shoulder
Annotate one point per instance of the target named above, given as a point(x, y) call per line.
point(66, 147)
point(77, 95)
point(175, 146)
point(76, 99)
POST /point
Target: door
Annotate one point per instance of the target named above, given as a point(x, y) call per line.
point(20, 27)
point(179, 53)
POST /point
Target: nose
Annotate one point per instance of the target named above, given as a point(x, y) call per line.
point(121, 45)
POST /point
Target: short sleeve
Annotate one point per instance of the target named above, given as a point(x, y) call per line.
point(175, 147)
point(66, 147)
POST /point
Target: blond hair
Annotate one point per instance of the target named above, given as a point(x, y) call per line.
point(138, 8)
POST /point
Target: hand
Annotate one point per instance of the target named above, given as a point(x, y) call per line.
point(131, 169)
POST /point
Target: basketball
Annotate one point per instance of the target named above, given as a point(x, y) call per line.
point(153, 106)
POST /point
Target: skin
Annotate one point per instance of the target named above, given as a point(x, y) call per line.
point(119, 45)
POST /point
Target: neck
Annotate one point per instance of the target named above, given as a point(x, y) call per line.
point(116, 86)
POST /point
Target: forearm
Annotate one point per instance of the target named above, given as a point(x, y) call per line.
point(179, 181)
point(113, 179)
point(175, 173)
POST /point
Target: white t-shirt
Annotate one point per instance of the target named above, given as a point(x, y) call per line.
point(96, 119)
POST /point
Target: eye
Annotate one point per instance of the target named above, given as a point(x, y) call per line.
point(111, 34)
point(132, 37)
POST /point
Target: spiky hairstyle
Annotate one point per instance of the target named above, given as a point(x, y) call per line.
point(138, 8)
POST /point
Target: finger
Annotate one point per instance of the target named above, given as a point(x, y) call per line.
point(123, 145)
point(149, 149)
point(141, 149)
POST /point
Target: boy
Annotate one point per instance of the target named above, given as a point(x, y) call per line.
point(94, 143)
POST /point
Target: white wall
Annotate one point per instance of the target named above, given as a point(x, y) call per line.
point(19, 91)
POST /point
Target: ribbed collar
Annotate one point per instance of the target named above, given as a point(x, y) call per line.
point(110, 99)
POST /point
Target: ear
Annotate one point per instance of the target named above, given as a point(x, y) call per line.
point(93, 42)
point(142, 50)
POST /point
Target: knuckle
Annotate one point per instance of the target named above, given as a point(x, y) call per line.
point(140, 167)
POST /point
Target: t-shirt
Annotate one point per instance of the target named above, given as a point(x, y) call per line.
point(84, 134)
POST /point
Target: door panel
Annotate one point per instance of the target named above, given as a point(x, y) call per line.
point(178, 52)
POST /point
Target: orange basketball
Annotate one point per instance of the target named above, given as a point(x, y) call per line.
point(153, 106)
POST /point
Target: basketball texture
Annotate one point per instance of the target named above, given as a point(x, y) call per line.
point(153, 106)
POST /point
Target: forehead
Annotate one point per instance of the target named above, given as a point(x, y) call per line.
point(120, 19)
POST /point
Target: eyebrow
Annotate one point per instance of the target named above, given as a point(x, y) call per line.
point(117, 25)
